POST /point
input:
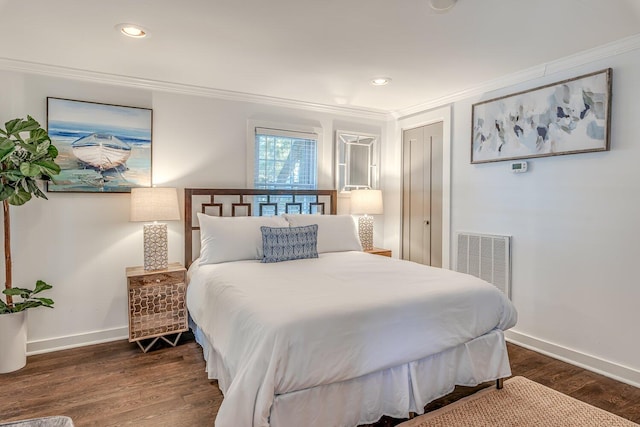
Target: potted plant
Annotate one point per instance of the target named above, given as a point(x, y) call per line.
point(26, 156)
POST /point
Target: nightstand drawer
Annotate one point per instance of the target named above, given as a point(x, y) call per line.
point(156, 279)
point(157, 302)
point(379, 251)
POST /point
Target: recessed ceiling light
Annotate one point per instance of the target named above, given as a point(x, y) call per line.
point(132, 30)
point(441, 6)
point(381, 81)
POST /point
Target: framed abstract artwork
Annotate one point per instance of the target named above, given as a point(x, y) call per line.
point(103, 148)
point(567, 117)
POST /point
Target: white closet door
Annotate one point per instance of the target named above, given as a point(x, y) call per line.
point(422, 195)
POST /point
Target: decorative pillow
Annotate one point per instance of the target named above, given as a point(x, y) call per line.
point(336, 233)
point(288, 243)
point(224, 239)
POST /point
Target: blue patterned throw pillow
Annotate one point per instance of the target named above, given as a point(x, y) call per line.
point(288, 243)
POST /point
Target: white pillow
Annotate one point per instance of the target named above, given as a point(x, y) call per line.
point(224, 239)
point(336, 233)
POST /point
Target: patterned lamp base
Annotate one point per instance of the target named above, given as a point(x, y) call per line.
point(155, 246)
point(365, 230)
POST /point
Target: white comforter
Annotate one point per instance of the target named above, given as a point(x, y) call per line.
point(292, 325)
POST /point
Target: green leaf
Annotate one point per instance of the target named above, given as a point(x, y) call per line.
point(22, 292)
point(39, 136)
point(6, 142)
point(42, 148)
point(11, 125)
point(38, 193)
point(21, 306)
point(23, 160)
point(6, 154)
point(48, 167)
point(34, 189)
point(41, 286)
point(6, 192)
point(30, 169)
point(28, 301)
point(6, 148)
point(52, 151)
point(32, 149)
point(19, 197)
point(47, 302)
point(12, 175)
point(15, 126)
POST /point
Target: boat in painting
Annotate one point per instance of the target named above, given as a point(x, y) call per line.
point(101, 151)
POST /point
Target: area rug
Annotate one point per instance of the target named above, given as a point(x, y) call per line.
point(520, 403)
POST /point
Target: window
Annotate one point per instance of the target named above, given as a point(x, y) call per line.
point(285, 159)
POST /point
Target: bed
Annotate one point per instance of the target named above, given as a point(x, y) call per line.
point(336, 339)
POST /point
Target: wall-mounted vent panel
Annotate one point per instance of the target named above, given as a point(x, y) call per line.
point(486, 256)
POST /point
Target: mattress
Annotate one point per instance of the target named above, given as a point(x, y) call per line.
point(272, 333)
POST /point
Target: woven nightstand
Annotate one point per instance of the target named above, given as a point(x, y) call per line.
point(157, 304)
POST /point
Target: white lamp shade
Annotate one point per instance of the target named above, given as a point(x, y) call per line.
point(154, 204)
point(366, 202)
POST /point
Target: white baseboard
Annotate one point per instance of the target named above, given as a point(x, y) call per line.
point(612, 370)
point(79, 340)
point(604, 367)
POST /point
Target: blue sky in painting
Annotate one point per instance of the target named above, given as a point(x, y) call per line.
point(71, 120)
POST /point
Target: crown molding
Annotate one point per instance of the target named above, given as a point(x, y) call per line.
point(605, 51)
point(608, 50)
point(184, 89)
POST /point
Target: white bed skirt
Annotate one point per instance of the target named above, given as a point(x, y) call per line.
point(394, 392)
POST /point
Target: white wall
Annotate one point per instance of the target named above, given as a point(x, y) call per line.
point(81, 243)
point(574, 222)
point(573, 218)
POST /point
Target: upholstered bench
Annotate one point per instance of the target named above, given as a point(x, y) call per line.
point(41, 422)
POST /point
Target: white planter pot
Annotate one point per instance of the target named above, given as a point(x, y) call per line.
point(13, 336)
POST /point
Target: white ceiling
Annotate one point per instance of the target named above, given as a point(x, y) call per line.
point(317, 51)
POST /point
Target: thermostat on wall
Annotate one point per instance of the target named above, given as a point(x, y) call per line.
point(518, 167)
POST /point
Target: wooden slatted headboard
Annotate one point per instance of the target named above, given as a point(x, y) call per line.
point(247, 202)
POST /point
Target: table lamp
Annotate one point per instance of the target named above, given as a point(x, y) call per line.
point(155, 204)
point(366, 203)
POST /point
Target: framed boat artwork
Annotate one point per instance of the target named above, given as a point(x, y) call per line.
point(103, 148)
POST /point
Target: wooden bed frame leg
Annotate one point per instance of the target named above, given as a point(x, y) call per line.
point(499, 383)
point(412, 415)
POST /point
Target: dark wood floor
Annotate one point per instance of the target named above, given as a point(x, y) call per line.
point(115, 384)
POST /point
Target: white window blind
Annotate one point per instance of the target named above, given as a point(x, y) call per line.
point(285, 159)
